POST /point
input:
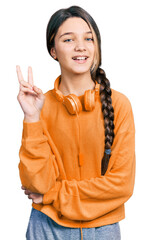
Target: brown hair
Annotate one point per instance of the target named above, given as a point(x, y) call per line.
point(97, 73)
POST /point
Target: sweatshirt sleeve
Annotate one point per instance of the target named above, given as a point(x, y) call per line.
point(91, 198)
point(37, 167)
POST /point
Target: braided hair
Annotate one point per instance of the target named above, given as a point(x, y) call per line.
point(97, 73)
point(108, 114)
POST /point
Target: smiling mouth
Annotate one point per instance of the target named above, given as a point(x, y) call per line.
point(79, 58)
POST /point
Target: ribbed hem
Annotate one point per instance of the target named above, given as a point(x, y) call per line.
point(32, 129)
point(110, 218)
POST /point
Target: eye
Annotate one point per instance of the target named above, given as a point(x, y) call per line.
point(89, 39)
point(68, 40)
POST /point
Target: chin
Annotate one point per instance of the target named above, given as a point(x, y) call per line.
point(80, 70)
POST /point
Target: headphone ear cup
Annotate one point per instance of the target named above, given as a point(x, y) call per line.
point(89, 100)
point(73, 104)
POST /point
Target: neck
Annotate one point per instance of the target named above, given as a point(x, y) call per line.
point(76, 83)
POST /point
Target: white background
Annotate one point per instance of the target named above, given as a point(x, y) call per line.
point(125, 28)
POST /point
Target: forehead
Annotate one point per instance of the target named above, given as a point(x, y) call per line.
point(73, 24)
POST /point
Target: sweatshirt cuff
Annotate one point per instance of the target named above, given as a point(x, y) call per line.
point(32, 129)
point(52, 194)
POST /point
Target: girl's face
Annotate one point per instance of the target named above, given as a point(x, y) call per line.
point(74, 46)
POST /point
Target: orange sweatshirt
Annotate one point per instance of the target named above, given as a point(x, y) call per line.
point(75, 193)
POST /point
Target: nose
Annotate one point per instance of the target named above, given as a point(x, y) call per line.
point(80, 46)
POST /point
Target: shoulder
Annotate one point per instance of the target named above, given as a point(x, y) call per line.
point(49, 95)
point(120, 101)
point(50, 98)
point(123, 114)
point(49, 104)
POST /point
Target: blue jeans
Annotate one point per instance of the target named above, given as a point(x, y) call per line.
point(41, 227)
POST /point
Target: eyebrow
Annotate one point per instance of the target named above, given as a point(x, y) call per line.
point(68, 33)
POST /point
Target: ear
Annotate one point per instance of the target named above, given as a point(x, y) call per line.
point(53, 52)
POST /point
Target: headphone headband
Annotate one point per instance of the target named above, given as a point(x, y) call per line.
point(59, 94)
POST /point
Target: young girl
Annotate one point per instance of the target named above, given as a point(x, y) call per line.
point(77, 157)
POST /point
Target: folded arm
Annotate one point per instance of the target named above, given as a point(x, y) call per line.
point(37, 167)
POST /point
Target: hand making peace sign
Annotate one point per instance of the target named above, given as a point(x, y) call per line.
point(30, 97)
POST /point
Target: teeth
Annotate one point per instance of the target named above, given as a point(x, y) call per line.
point(80, 58)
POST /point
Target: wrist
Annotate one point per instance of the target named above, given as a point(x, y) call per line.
point(31, 118)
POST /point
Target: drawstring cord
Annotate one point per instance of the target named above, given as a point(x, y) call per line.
point(81, 231)
point(80, 155)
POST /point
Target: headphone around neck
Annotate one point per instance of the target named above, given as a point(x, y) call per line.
point(72, 102)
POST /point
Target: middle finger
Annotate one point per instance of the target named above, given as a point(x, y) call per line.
point(30, 76)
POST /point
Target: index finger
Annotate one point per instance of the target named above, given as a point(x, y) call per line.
point(19, 74)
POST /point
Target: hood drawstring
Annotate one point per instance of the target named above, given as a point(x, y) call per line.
point(80, 155)
point(81, 231)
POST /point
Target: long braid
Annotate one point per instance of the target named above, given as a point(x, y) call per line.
point(108, 114)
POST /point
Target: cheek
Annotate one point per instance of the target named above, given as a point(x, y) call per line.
point(64, 52)
point(91, 49)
